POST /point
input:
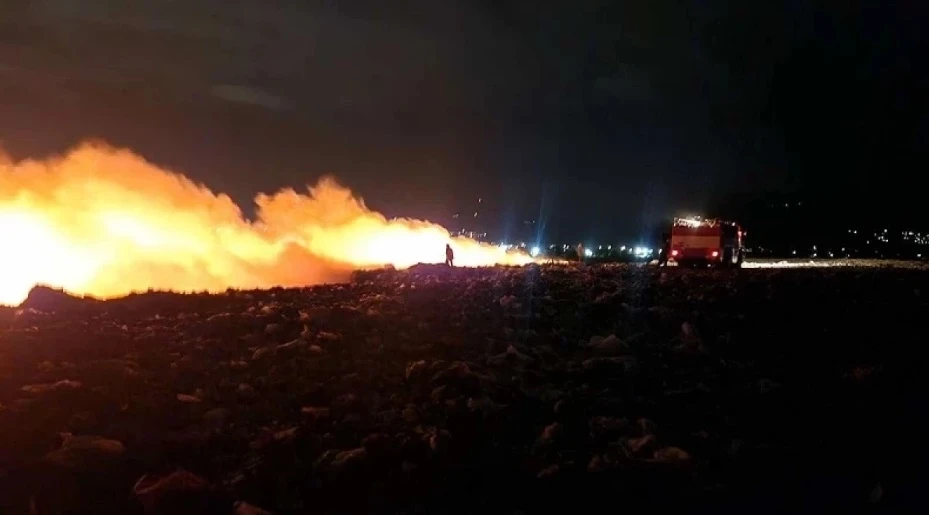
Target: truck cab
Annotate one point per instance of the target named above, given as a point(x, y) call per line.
point(706, 242)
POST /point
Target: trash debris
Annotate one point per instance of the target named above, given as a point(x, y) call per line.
point(243, 508)
point(551, 432)
point(64, 384)
point(641, 445)
point(327, 336)
point(316, 413)
point(510, 355)
point(607, 346)
point(439, 440)
point(46, 366)
point(246, 391)
point(670, 454)
point(508, 301)
point(268, 436)
point(549, 472)
point(83, 450)
point(172, 492)
point(347, 458)
point(413, 389)
point(292, 346)
point(414, 369)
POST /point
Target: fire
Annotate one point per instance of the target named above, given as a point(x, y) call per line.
point(105, 222)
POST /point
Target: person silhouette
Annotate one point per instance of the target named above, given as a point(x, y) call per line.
point(665, 250)
point(449, 255)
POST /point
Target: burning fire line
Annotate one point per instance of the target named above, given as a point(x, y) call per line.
point(105, 222)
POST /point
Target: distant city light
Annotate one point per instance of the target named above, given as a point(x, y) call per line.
point(535, 251)
point(588, 252)
point(623, 248)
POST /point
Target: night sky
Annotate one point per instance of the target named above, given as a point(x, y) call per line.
point(604, 116)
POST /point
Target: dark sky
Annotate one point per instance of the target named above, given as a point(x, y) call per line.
point(606, 115)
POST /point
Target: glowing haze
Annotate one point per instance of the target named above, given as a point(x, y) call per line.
point(105, 222)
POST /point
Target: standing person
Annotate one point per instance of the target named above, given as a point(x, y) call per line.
point(665, 250)
point(580, 252)
point(449, 255)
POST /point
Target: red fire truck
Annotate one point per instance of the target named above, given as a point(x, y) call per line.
point(708, 242)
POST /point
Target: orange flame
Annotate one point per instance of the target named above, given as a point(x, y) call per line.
point(105, 222)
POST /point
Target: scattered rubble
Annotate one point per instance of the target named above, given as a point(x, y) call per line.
point(511, 388)
point(82, 451)
point(64, 384)
point(177, 492)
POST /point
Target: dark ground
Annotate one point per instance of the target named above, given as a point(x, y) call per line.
point(476, 391)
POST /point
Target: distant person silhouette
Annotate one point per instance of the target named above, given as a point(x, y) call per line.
point(449, 255)
point(665, 250)
point(580, 252)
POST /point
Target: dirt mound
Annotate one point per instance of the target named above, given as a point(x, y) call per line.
point(51, 300)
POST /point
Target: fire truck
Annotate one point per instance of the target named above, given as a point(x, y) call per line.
point(707, 242)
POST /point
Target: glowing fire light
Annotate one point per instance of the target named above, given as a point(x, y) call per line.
point(105, 222)
point(688, 222)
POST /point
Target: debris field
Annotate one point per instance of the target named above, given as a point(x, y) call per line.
point(498, 390)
